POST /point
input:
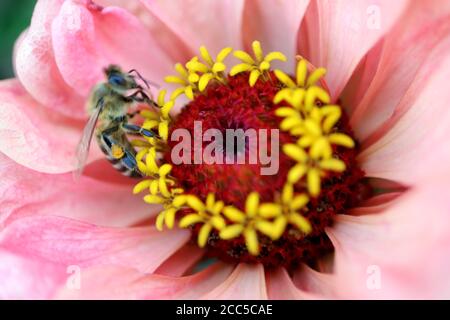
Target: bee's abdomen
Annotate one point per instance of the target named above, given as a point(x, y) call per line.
point(120, 166)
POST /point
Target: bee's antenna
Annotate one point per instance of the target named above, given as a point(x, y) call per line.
point(147, 82)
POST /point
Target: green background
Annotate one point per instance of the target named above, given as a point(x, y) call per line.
point(15, 16)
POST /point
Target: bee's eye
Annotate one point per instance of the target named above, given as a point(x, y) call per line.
point(117, 80)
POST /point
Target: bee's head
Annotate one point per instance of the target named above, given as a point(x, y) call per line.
point(120, 80)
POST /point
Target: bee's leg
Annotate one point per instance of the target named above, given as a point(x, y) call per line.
point(116, 151)
point(132, 114)
point(135, 129)
point(141, 96)
point(111, 146)
point(129, 160)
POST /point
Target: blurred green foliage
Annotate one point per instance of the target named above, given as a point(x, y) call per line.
point(15, 16)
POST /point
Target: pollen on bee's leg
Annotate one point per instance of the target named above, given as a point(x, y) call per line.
point(233, 211)
point(117, 151)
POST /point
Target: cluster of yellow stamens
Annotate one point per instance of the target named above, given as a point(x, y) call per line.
point(257, 66)
point(209, 69)
point(307, 115)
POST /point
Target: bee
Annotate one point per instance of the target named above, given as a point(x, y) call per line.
point(108, 107)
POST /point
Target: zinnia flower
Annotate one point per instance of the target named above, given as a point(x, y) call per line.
point(387, 64)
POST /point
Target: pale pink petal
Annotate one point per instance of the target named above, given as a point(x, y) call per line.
point(402, 253)
point(337, 34)
point(246, 282)
point(22, 278)
point(69, 242)
point(181, 261)
point(121, 283)
point(17, 44)
point(416, 144)
point(281, 287)
point(33, 136)
point(275, 24)
point(215, 24)
point(405, 56)
point(28, 193)
point(171, 44)
point(36, 68)
point(87, 40)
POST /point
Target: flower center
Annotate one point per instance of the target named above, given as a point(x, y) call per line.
point(261, 162)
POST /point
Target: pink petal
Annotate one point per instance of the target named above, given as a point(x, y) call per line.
point(416, 143)
point(36, 68)
point(407, 246)
point(21, 278)
point(33, 136)
point(171, 45)
point(246, 282)
point(28, 193)
point(181, 261)
point(281, 287)
point(337, 34)
point(76, 49)
point(215, 24)
point(403, 59)
point(69, 242)
point(275, 24)
point(86, 40)
point(122, 283)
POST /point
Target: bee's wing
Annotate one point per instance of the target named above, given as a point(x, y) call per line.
point(86, 138)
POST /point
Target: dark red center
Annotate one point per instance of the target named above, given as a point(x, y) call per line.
point(239, 106)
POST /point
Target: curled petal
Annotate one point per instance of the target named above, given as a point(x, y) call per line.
point(246, 282)
point(281, 287)
point(36, 68)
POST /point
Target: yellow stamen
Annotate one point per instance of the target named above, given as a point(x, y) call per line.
point(301, 72)
point(257, 65)
point(210, 69)
point(231, 232)
point(141, 186)
point(187, 79)
point(203, 235)
point(251, 241)
point(316, 76)
point(234, 214)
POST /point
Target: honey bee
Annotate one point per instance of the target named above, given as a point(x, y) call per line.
point(108, 107)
